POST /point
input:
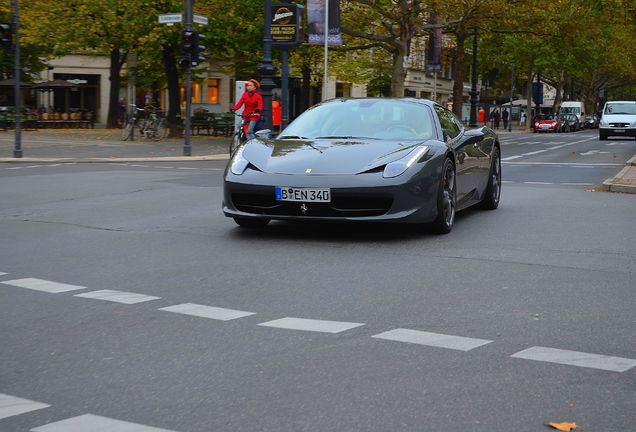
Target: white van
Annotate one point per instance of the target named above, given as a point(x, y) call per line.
point(618, 119)
point(573, 107)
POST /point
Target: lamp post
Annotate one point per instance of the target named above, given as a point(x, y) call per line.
point(17, 151)
point(512, 86)
point(473, 89)
point(267, 70)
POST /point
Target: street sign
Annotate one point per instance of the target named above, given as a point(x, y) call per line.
point(170, 18)
point(200, 19)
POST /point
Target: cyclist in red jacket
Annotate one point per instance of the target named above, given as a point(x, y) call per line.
point(253, 102)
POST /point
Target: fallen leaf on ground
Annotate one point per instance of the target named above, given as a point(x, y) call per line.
point(565, 427)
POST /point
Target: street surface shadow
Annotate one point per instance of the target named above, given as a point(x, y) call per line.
point(359, 232)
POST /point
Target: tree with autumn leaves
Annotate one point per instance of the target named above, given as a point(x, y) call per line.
point(573, 45)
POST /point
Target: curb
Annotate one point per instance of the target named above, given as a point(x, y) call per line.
point(114, 159)
point(624, 181)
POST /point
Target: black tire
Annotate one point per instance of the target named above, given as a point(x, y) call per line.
point(126, 131)
point(493, 190)
point(446, 199)
point(251, 222)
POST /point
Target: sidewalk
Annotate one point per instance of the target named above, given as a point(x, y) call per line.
point(105, 145)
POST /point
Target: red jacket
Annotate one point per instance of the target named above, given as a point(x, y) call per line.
point(252, 102)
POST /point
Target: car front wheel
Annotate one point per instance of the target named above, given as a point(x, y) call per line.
point(493, 190)
point(443, 223)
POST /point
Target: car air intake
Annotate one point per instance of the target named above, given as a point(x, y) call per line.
point(340, 206)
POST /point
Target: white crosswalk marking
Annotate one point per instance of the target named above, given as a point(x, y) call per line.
point(575, 358)
point(117, 296)
point(432, 339)
point(43, 285)
point(311, 325)
point(95, 423)
point(11, 405)
point(207, 311)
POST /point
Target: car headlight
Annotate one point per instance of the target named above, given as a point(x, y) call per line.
point(239, 163)
point(603, 123)
point(536, 124)
point(397, 167)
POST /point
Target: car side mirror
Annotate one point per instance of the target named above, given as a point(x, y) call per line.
point(264, 133)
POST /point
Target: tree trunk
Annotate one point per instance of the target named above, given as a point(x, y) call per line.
point(399, 72)
point(458, 75)
point(115, 81)
point(174, 105)
point(529, 116)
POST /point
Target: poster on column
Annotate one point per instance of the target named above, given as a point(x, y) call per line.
point(316, 22)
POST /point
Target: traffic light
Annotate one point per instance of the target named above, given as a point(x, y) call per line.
point(188, 41)
point(197, 50)
point(6, 35)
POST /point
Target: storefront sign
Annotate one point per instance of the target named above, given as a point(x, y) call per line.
point(286, 27)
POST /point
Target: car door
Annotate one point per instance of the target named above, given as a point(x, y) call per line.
point(465, 164)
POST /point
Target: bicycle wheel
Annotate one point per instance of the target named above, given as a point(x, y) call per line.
point(236, 141)
point(162, 130)
point(126, 131)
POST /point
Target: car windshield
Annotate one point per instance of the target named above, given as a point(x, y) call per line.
point(381, 119)
point(620, 108)
point(544, 117)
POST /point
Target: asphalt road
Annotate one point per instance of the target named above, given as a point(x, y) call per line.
point(520, 316)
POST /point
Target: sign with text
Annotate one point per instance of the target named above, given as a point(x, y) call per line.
point(286, 27)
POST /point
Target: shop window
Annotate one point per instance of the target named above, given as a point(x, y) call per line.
point(213, 91)
point(196, 94)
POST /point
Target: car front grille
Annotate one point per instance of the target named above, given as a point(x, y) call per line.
point(340, 206)
point(619, 125)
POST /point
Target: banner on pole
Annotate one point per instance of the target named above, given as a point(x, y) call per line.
point(434, 49)
point(286, 27)
point(316, 22)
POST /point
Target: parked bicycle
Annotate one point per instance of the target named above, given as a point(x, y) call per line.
point(151, 126)
point(240, 133)
point(154, 125)
point(128, 129)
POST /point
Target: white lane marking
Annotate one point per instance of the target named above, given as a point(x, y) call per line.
point(117, 296)
point(187, 168)
point(565, 163)
point(534, 152)
point(3, 273)
point(11, 405)
point(578, 184)
point(164, 167)
point(33, 166)
point(432, 339)
point(311, 325)
point(203, 311)
point(582, 166)
point(538, 183)
point(12, 168)
point(575, 358)
point(95, 423)
point(510, 158)
point(506, 181)
point(545, 150)
point(139, 166)
point(43, 285)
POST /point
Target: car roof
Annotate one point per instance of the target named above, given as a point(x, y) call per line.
point(427, 102)
point(611, 102)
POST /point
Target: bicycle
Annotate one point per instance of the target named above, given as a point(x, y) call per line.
point(154, 125)
point(240, 133)
point(128, 130)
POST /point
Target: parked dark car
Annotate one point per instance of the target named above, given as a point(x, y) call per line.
point(569, 123)
point(365, 160)
point(591, 121)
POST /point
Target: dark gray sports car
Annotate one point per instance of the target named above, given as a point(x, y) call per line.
point(365, 159)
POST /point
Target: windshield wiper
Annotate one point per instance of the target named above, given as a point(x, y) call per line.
point(344, 137)
point(292, 137)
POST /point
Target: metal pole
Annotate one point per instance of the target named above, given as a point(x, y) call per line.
point(187, 148)
point(285, 90)
point(267, 70)
point(17, 152)
point(473, 88)
point(512, 86)
point(325, 78)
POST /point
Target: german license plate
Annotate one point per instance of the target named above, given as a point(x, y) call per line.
point(619, 130)
point(284, 193)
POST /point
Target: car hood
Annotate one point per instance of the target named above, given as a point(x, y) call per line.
point(619, 118)
point(323, 156)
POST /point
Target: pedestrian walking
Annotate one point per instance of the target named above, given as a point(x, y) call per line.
point(504, 117)
point(253, 102)
point(522, 119)
point(496, 117)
